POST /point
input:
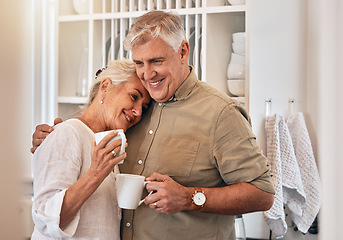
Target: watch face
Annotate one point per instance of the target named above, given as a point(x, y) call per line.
point(199, 198)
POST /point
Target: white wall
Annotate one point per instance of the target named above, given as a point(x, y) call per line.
point(278, 70)
point(15, 100)
point(277, 59)
point(326, 83)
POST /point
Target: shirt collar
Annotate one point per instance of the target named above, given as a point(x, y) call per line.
point(186, 87)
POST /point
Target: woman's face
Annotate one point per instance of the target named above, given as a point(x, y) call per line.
point(125, 103)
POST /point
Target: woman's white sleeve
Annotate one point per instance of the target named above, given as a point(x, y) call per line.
point(56, 167)
point(46, 217)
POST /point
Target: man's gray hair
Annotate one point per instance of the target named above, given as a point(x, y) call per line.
point(166, 25)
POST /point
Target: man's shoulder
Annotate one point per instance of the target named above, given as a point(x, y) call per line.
point(218, 101)
point(214, 95)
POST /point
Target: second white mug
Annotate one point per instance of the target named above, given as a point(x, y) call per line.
point(129, 189)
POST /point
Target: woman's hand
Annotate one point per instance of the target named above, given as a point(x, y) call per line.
point(103, 156)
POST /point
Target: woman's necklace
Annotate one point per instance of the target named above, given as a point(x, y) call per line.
point(84, 121)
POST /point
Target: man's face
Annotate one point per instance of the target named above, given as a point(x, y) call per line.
point(160, 69)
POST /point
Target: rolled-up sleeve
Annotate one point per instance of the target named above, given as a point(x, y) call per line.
point(46, 217)
point(237, 153)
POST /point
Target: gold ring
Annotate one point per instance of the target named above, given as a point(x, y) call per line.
point(114, 153)
point(155, 204)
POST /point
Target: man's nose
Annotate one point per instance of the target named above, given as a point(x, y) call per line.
point(149, 73)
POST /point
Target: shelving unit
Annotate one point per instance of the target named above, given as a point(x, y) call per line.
point(86, 36)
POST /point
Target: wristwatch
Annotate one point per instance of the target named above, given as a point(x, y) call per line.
point(198, 198)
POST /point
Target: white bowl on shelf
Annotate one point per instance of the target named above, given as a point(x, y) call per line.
point(238, 37)
point(239, 48)
point(81, 6)
point(236, 58)
point(236, 71)
point(236, 2)
point(236, 87)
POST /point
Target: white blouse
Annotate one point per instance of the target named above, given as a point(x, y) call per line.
point(58, 163)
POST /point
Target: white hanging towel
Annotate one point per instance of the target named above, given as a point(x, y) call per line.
point(308, 169)
point(285, 174)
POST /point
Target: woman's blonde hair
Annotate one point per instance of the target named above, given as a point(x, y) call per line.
point(166, 25)
point(117, 71)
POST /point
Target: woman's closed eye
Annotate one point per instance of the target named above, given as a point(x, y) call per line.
point(134, 97)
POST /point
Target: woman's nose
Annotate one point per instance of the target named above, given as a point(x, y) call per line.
point(137, 111)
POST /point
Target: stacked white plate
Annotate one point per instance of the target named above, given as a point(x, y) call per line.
point(236, 68)
point(236, 2)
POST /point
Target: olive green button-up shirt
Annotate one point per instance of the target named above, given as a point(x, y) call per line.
point(200, 138)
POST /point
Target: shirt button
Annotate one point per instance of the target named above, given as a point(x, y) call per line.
point(151, 132)
point(160, 104)
point(128, 224)
point(140, 162)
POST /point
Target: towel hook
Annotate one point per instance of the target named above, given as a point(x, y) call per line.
point(268, 106)
point(290, 106)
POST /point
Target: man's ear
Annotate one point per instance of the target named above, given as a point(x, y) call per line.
point(184, 50)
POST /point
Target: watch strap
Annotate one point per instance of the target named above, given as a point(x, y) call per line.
point(197, 189)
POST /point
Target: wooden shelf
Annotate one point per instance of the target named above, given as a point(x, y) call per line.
point(72, 100)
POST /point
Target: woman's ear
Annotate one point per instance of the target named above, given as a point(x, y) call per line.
point(105, 83)
point(184, 50)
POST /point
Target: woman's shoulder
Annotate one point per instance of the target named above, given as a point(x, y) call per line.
point(69, 129)
point(66, 134)
point(72, 124)
point(75, 129)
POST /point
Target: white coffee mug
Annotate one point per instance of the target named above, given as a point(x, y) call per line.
point(129, 189)
point(100, 135)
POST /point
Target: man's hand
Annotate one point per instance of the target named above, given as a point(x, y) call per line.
point(169, 196)
point(42, 131)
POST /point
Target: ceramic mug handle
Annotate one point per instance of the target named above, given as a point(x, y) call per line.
point(142, 201)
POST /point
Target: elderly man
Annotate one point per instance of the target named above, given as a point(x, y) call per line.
point(194, 144)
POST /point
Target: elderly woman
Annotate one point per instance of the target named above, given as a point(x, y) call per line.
point(74, 195)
